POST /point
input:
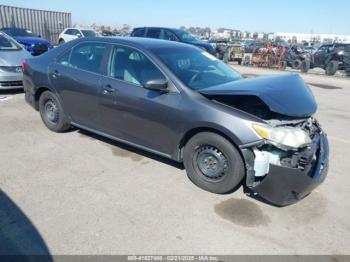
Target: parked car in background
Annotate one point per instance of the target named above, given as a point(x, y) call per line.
point(31, 41)
point(173, 35)
point(180, 102)
point(70, 34)
point(330, 57)
point(12, 54)
point(250, 46)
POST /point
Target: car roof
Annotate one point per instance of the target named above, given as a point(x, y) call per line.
point(147, 43)
point(10, 28)
point(157, 27)
point(79, 28)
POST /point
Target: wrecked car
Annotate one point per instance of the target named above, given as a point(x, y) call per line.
point(180, 102)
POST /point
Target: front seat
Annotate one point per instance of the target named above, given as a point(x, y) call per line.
point(123, 68)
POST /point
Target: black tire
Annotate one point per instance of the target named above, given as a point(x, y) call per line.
point(239, 61)
point(305, 66)
point(228, 170)
point(61, 42)
point(296, 64)
point(52, 113)
point(283, 65)
point(332, 68)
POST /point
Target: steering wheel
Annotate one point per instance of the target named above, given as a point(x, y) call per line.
point(195, 77)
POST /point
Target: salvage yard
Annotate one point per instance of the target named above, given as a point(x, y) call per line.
point(79, 193)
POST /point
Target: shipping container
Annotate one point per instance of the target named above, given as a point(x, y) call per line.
point(47, 24)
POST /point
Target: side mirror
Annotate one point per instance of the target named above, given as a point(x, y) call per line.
point(157, 84)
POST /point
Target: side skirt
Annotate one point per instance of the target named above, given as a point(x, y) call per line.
point(122, 141)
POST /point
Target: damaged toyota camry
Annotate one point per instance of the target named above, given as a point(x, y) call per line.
point(180, 102)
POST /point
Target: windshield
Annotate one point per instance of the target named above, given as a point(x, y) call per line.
point(185, 36)
point(89, 33)
point(195, 68)
point(7, 44)
point(19, 32)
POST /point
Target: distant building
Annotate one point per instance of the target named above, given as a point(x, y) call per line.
point(303, 37)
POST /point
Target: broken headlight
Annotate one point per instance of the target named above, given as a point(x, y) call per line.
point(285, 137)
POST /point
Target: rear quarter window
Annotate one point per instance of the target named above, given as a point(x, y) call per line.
point(86, 56)
point(139, 32)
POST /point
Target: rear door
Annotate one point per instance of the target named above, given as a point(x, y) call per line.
point(76, 75)
point(133, 113)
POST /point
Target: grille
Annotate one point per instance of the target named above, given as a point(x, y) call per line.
point(11, 83)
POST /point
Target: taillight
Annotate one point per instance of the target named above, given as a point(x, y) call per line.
point(24, 65)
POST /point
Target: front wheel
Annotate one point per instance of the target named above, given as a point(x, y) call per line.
point(213, 163)
point(52, 112)
point(305, 66)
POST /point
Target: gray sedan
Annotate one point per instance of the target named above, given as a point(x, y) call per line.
point(12, 55)
point(180, 102)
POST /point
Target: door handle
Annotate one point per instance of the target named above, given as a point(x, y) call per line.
point(107, 89)
point(55, 74)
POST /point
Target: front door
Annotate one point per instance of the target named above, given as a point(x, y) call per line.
point(131, 112)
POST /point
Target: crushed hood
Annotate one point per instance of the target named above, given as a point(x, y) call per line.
point(286, 94)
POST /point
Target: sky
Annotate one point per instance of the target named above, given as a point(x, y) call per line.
point(302, 16)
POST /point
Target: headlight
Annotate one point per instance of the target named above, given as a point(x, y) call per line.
point(286, 136)
point(341, 52)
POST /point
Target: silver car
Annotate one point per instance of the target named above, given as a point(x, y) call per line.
point(11, 56)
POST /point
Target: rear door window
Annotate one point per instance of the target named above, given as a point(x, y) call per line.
point(153, 33)
point(86, 56)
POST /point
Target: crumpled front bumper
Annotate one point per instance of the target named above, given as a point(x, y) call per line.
point(284, 186)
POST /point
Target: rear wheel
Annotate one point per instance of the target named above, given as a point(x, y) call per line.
point(332, 68)
point(61, 41)
point(213, 163)
point(239, 61)
point(52, 113)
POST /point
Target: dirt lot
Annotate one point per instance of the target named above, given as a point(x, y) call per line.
point(77, 193)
